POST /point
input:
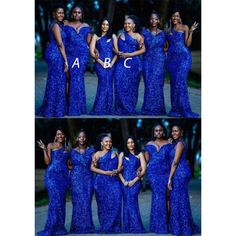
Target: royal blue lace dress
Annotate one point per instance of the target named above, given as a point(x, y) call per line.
point(77, 52)
point(56, 181)
point(181, 221)
point(158, 170)
point(81, 192)
point(127, 79)
point(132, 222)
point(179, 62)
point(108, 196)
point(54, 102)
point(103, 104)
point(154, 61)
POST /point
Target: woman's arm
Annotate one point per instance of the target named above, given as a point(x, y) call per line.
point(57, 34)
point(46, 151)
point(95, 168)
point(115, 48)
point(142, 48)
point(178, 152)
point(189, 33)
point(115, 43)
point(120, 162)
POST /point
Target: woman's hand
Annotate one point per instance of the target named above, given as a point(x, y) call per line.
point(124, 54)
point(125, 183)
point(66, 67)
point(131, 183)
point(169, 184)
point(41, 144)
point(194, 26)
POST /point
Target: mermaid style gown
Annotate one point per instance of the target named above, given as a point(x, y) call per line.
point(81, 192)
point(56, 181)
point(78, 54)
point(103, 104)
point(181, 221)
point(108, 196)
point(132, 222)
point(154, 74)
point(54, 102)
point(179, 62)
point(158, 170)
point(127, 79)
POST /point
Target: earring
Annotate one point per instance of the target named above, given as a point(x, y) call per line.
point(101, 147)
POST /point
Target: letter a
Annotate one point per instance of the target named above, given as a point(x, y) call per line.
point(76, 63)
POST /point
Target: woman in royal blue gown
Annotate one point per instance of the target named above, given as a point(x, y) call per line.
point(179, 62)
point(78, 37)
point(131, 160)
point(154, 61)
point(181, 221)
point(56, 181)
point(128, 67)
point(102, 44)
point(107, 187)
point(158, 169)
point(54, 102)
point(81, 181)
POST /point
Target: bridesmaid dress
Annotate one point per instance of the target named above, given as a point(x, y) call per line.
point(179, 62)
point(132, 222)
point(81, 192)
point(103, 104)
point(54, 102)
point(127, 79)
point(56, 181)
point(78, 55)
point(108, 196)
point(154, 61)
point(158, 170)
point(181, 221)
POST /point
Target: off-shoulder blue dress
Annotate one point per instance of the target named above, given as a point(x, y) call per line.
point(154, 61)
point(56, 181)
point(132, 222)
point(77, 52)
point(81, 179)
point(108, 196)
point(54, 101)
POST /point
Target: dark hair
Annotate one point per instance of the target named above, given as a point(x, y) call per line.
point(57, 6)
point(153, 128)
point(80, 7)
point(99, 139)
point(177, 125)
point(154, 13)
point(136, 148)
point(99, 31)
point(136, 21)
point(63, 131)
point(173, 11)
point(82, 131)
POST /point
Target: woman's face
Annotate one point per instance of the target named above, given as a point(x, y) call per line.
point(105, 26)
point(76, 13)
point(81, 138)
point(176, 132)
point(129, 25)
point(154, 20)
point(60, 136)
point(158, 131)
point(106, 143)
point(175, 18)
point(130, 144)
point(59, 14)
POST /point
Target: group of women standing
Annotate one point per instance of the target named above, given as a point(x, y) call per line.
point(118, 177)
point(117, 61)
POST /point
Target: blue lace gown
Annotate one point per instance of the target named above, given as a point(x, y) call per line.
point(54, 102)
point(56, 181)
point(154, 74)
point(132, 222)
point(127, 79)
point(181, 221)
point(103, 104)
point(108, 196)
point(179, 62)
point(81, 192)
point(77, 50)
point(158, 170)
